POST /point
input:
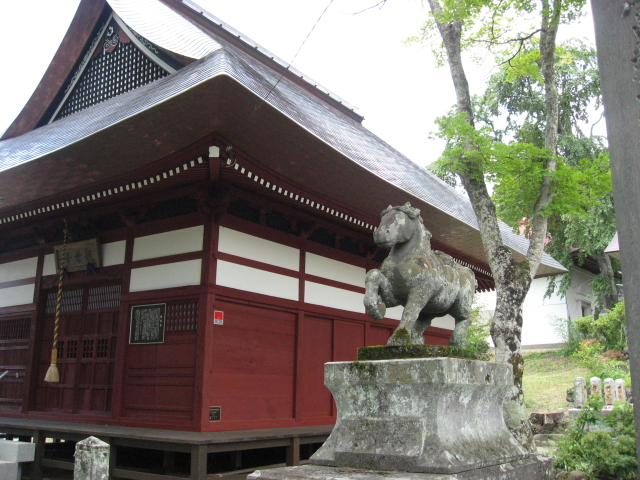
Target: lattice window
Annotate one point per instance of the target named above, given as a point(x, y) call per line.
point(182, 317)
point(60, 347)
point(102, 348)
point(112, 72)
point(104, 297)
point(72, 349)
point(87, 348)
point(71, 301)
point(15, 329)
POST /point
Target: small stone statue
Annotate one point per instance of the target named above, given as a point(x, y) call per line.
point(580, 393)
point(621, 391)
point(609, 392)
point(596, 387)
point(427, 283)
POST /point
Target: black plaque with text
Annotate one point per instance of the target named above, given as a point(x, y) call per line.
point(147, 323)
point(214, 414)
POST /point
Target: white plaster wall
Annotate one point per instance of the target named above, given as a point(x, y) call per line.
point(334, 270)
point(446, 322)
point(540, 314)
point(579, 292)
point(395, 312)
point(18, 270)
point(318, 294)
point(164, 244)
point(113, 253)
point(178, 274)
point(258, 249)
point(49, 266)
point(539, 324)
point(20, 295)
point(254, 280)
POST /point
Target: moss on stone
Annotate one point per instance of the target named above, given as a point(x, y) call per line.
point(366, 368)
point(401, 336)
point(393, 352)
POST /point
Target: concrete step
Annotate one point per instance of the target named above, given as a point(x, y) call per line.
point(17, 452)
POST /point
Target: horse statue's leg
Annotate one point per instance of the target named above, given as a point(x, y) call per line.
point(460, 336)
point(421, 324)
point(461, 311)
point(408, 332)
point(378, 294)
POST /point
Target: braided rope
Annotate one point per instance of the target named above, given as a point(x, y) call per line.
point(52, 374)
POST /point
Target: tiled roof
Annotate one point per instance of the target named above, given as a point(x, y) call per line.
point(338, 130)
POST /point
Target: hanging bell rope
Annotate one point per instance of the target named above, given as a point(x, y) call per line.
point(53, 376)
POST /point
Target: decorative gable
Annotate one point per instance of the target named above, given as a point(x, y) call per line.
point(117, 60)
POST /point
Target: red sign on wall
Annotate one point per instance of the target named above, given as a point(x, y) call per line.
point(218, 317)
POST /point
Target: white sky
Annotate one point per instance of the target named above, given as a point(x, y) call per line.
point(360, 58)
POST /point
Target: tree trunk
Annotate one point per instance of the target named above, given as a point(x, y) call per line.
point(604, 263)
point(512, 279)
point(506, 332)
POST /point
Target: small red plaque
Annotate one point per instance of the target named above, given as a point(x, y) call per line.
point(218, 317)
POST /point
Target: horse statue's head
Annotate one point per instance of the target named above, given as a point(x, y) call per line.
point(399, 225)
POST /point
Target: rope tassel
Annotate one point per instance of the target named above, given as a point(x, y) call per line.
point(53, 376)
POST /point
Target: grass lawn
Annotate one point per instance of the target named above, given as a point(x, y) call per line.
point(547, 376)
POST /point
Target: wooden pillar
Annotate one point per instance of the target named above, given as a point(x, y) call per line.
point(113, 456)
point(293, 452)
point(198, 462)
point(36, 467)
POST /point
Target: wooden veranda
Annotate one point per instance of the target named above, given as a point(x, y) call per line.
point(196, 444)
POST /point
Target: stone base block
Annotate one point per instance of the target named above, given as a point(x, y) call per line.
point(423, 415)
point(534, 467)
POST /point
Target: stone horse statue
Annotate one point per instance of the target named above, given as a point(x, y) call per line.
point(427, 283)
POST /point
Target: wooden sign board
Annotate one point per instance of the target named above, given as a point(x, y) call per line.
point(147, 323)
point(79, 254)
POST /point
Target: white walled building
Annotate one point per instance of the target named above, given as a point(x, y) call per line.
point(540, 327)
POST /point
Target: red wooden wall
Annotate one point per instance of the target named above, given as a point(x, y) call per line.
point(264, 367)
point(268, 364)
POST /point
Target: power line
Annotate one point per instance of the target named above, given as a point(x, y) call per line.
point(228, 159)
point(299, 48)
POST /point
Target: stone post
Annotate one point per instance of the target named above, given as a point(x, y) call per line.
point(609, 392)
point(596, 387)
point(579, 391)
point(91, 460)
point(621, 390)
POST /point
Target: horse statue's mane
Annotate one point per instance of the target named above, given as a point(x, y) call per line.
point(411, 212)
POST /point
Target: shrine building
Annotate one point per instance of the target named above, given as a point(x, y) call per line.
point(218, 208)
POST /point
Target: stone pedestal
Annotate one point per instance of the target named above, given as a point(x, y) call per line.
point(432, 415)
point(436, 418)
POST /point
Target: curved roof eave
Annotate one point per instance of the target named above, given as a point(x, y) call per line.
point(335, 129)
point(159, 24)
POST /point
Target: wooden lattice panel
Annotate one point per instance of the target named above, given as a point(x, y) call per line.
point(15, 329)
point(182, 317)
point(71, 301)
point(115, 70)
point(104, 297)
